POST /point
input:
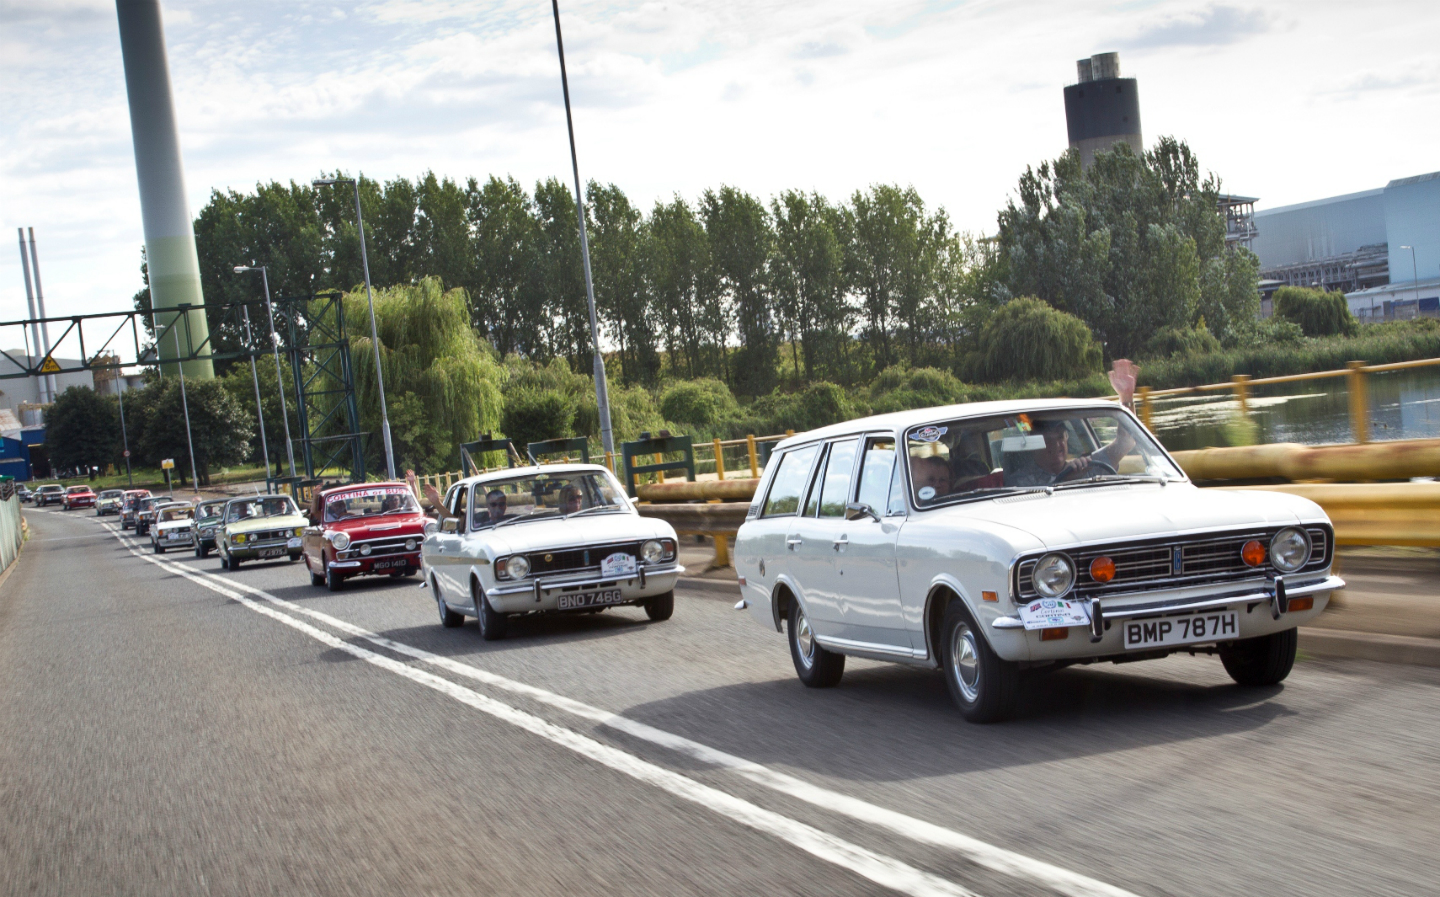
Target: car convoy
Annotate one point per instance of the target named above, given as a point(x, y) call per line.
point(982, 540)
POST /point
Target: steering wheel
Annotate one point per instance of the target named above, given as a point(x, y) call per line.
point(1106, 467)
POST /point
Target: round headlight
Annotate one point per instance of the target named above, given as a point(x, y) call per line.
point(365, 550)
point(517, 567)
point(652, 552)
point(409, 544)
point(1053, 576)
point(341, 541)
point(1290, 549)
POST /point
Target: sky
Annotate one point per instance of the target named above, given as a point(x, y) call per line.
point(1287, 101)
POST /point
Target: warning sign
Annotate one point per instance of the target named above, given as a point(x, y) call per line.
point(49, 366)
point(167, 464)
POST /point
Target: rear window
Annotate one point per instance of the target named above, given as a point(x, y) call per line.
point(789, 483)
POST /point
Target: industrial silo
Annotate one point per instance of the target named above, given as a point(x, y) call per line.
point(1103, 109)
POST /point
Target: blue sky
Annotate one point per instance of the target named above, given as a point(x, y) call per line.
point(1287, 101)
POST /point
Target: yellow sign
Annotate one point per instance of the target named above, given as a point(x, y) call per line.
point(167, 464)
point(49, 366)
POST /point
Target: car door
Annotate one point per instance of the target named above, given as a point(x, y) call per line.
point(870, 600)
point(447, 560)
point(313, 540)
point(763, 553)
point(815, 541)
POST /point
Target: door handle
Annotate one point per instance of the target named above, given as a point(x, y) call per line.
point(840, 543)
point(794, 543)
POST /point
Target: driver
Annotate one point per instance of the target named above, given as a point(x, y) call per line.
point(391, 503)
point(1049, 463)
point(495, 504)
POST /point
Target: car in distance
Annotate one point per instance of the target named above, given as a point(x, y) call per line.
point(109, 501)
point(209, 517)
point(370, 529)
point(986, 538)
point(130, 507)
point(24, 492)
point(553, 539)
point(78, 497)
point(261, 527)
point(49, 494)
point(174, 527)
point(145, 512)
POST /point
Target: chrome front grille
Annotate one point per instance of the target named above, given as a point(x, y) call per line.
point(578, 560)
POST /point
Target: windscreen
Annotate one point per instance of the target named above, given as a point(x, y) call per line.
point(372, 502)
point(544, 495)
point(252, 509)
point(177, 513)
point(210, 512)
point(980, 457)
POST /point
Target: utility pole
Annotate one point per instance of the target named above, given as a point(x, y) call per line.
point(125, 436)
point(259, 409)
point(185, 404)
point(40, 300)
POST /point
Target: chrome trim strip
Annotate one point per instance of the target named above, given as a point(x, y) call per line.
point(1328, 584)
point(342, 565)
point(844, 644)
point(529, 584)
point(1007, 623)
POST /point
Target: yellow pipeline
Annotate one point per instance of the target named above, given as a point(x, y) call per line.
point(1395, 460)
point(1374, 513)
point(705, 490)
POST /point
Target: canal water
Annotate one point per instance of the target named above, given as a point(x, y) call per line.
point(1403, 405)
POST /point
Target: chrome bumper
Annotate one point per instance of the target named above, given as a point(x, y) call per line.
point(534, 586)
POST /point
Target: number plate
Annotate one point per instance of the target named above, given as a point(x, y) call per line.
point(386, 565)
point(272, 553)
point(576, 600)
point(1166, 631)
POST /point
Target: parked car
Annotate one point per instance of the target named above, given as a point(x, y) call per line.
point(145, 512)
point(261, 527)
point(371, 529)
point(1038, 533)
point(49, 494)
point(209, 517)
point(24, 492)
point(130, 506)
point(109, 501)
point(78, 497)
point(174, 527)
point(559, 538)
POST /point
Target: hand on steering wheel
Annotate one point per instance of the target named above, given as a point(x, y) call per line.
point(1083, 465)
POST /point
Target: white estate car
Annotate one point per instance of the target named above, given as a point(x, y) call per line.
point(557, 538)
point(1021, 534)
point(174, 527)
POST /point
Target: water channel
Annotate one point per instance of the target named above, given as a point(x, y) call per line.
point(1403, 405)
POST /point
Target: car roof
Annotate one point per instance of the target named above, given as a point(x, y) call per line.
point(77, 486)
point(532, 470)
point(897, 421)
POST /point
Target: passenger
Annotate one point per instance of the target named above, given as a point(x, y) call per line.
point(932, 472)
point(570, 500)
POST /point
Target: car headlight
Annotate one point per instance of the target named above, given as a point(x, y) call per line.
point(299, 530)
point(1290, 549)
point(652, 551)
point(1053, 576)
point(409, 544)
point(341, 541)
point(237, 540)
point(517, 567)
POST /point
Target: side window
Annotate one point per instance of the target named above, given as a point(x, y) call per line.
point(459, 505)
point(875, 472)
point(790, 480)
point(812, 504)
point(896, 504)
point(835, 488)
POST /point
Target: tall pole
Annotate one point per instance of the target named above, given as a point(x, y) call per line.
point(602, 391)
point(185, 405)
point(259, 408)
point(1414, 270)
point(125, 437)
point(34, 325)
point(375, 339)
point(279, 375)
point(40, 301)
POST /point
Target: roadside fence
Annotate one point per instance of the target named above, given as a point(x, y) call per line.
point(11, 531)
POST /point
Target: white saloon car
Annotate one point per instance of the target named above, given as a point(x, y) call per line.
point(1012, 535)
point(174, 527)
point(558, 538)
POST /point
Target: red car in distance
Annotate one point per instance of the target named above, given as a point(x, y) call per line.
point(366, 529)
point(78, 497)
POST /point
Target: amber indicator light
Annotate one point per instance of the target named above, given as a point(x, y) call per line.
point(1253, 553)
point(1305, 603)
point(1055, 634)
point(989, 596)
point(1102, 569)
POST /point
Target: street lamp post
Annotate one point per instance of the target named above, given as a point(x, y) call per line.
point(125, 436)
point(185, 406)
point(374, 334)
point(1415, 271)
point(275, 346)
point(259, 408)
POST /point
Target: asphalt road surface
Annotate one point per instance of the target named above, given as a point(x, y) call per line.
point(169, 728)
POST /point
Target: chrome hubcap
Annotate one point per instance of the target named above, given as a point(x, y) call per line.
point(965, 662)
point(804, 638)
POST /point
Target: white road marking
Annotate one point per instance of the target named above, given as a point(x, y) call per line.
point(979, 852)
point(881, 869)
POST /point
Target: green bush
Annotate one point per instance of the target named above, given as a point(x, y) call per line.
point(1317, 312)
point(1026, 339)
point(704, 404)
point(901, 388)
point(818, 405)
point(533, 415)
point(1273, 331)
point(1197, 340)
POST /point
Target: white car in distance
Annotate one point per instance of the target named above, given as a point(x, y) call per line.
point(174, 527)
point(561, 538)
point(1011, 535)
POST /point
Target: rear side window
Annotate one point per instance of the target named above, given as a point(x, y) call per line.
point(790, 480)
point(875, 472)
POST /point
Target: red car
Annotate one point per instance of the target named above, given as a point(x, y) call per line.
point(367, 529)
point(78, 497)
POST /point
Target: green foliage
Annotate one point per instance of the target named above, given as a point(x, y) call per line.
point(1272, 331)
point(1028, 340)
point(82, 429)
point(704, 404)
point(533, 415)
point(220, 428)
point(1317, 312)
point(818, 405)
point(1197, 340)
point(901, 389)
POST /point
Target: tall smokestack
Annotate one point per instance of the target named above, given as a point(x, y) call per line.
point(170, 254)
point(1103, 109)
point(40, 301)
point(34, 328)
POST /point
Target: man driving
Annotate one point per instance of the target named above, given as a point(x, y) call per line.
point(495, 504)
point(1050, 465)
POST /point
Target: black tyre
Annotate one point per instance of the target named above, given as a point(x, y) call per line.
point(334, 581)
point(234, 562)
point(983, 686)
point(661, 607)
point(448, 618)
point(316, 579)
point(411, 571)
point(816, 667)
point(1264, 660)
point(493, 625)
point(158, 548)
point(294, 558)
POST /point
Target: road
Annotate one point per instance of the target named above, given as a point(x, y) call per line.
point(169, 728)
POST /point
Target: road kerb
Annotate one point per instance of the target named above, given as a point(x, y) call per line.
point(1352, 645)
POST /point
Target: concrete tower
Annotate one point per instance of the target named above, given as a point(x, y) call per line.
point(169, 231)
point(1103, 109)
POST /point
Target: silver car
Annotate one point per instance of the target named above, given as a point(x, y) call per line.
point(173, 527)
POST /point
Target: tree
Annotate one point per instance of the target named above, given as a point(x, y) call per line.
point(220, 429)
point(1317, 312)
point(617, 230)
point(566, 331)
point(676, 265)
point(82, 429)
point(505, 305)
point(737, 229)
point(1028, 340)
point(807, 277)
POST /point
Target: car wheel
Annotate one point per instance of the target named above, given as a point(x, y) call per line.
point(661, 607)
point(412, 571)
point(982, 684)
point(1264, 660)
point(448, 618)
point(316, 579)
point(334, 581)
point(816, 667)
point(234, 563)
point(294, 558)
point(158, 548)
point(493, 625)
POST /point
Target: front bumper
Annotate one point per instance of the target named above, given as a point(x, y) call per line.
point(365, 566)
point(184, 537)
point(544, 593)
point(251, 550)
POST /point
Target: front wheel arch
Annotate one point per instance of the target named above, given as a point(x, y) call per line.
point(936, 603)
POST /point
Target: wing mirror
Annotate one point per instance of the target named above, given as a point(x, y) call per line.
point(450, 525)
point(857, 509)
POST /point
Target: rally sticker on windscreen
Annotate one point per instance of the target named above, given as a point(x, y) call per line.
point(372, 493)
point(1050, 613)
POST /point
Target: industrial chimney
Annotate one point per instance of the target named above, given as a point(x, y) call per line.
point(1103, 109)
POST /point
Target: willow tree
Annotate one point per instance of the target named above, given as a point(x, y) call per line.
point(442, 383)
